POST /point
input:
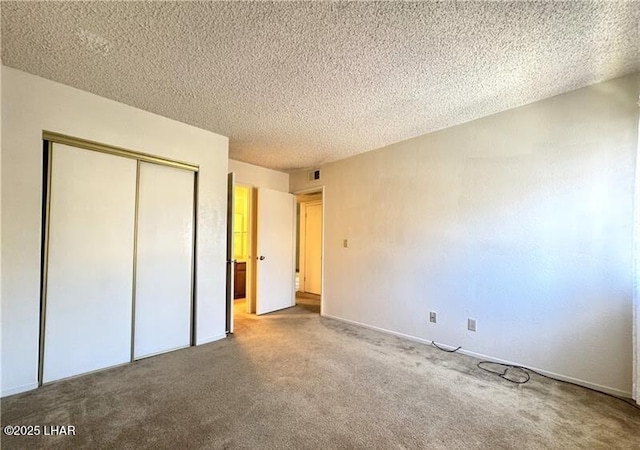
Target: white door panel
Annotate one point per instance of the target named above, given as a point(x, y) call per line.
point(163, 297)
point(90, 262)
point(276, 244)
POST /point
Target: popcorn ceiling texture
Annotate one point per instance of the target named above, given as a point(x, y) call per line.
point(298, 84)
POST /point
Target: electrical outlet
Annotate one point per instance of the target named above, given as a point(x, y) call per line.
point(471, 324)
point(345, 243)
point(432, 317)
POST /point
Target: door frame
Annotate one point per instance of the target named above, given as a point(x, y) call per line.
point(323, 199)
point(635, 389)
point(251, 244)
point(302, 253)
point(231, 262)
point(250, 288)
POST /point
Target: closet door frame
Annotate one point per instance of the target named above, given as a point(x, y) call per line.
point(50, 138)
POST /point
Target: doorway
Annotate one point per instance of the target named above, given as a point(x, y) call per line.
point(264, 252)
point(241, 247)
point(260, 249)
point(309, 250)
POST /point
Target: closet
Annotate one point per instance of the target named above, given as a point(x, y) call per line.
point(118, 257)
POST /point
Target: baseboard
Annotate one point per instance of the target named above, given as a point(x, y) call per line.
point(211, 339)
point(19, 389)
point(587, 384)
point(382, 330)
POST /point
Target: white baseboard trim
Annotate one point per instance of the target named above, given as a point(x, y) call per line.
point(19, 389)
point(210, 339)
point(382, 330)
point(587, 384)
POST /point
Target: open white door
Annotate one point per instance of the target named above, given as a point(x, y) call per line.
point(276, 251)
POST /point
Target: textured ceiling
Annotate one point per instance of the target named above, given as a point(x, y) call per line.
point(299, 84)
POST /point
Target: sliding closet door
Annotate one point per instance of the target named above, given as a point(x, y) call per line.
point(164, 259)
point(90, 262)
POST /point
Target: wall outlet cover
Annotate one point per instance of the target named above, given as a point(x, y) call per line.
point(433, 317)
point(471, 324)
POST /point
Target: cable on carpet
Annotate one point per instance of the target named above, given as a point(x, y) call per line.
point(444, 349)
point(507, 372)
point(521, 375)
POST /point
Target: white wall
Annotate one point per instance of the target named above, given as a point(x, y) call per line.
point(256, 176)
point(31, 105)
point(521, 220)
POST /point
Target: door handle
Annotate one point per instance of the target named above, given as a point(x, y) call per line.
point(229, 261)
point(262, 258)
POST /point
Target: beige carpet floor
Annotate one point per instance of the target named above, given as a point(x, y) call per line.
point(297, 381)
